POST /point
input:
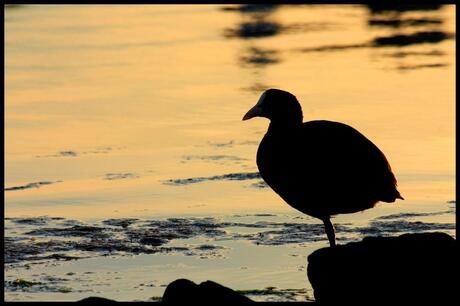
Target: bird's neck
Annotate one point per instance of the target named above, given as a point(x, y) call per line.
point(277, 127)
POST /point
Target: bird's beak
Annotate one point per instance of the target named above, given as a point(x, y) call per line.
point(253, 112)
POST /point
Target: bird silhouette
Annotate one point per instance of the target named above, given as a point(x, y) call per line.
point(321, 168)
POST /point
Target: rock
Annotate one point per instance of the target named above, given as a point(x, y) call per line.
point(96, 300)
point(186, 292)
point(411, 268)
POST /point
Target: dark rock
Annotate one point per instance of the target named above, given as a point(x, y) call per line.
point(123, 222)
point(186, 292)
point(74, 231)
point(96, 300)
point(154, 241)
point(410, 268)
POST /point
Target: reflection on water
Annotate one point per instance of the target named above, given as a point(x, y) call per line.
point(255, 29)
point(259, 21)
point(398, 40)
point(398, 23)
point(399, 20)
point(395, 17)
point(252, 8)
point(133, 112)
point(261, 25)
point(30, 185)
point(259, 57)
point(395, 8)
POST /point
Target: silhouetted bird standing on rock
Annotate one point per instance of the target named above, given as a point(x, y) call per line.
point(321, 168)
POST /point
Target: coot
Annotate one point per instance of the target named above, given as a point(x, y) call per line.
point(321, 168)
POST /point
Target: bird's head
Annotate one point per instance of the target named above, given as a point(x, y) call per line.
point(277, 105)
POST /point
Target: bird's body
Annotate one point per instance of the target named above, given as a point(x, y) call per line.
point(321, 168)
point(324, 168)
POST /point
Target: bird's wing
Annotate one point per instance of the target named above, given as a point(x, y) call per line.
point(336, 154)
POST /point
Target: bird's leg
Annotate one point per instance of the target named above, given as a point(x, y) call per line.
point(329, 231)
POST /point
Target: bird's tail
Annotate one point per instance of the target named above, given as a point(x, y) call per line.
point(390, 196)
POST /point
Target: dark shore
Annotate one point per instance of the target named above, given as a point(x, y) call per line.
point(410, 268)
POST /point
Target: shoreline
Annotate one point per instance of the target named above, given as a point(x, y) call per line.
point(62, 258)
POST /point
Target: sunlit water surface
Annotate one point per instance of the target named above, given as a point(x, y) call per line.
point(110, 109)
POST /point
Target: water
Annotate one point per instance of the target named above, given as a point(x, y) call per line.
point(105, 104)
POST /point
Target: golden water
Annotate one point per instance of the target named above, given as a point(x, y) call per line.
point(150, 92)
